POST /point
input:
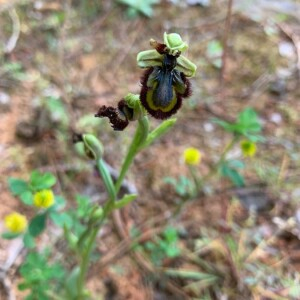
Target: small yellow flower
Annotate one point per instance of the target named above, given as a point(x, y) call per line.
point(248, 148)
point(15, 222)
point(43, 199)
point(192, 156)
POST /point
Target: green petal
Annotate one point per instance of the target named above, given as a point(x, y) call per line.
point(149, 58)
point(185, 66)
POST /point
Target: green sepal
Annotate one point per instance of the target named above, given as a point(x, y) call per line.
point(174, 43)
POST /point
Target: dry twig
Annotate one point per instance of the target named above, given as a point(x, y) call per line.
point(12, 42)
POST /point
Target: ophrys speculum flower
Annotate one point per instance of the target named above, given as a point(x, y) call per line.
point(165, 83)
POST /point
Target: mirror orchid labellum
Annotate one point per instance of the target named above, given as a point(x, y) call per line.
point(165, 82)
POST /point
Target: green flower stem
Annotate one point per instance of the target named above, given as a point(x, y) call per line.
point(136, 144)
point(200, 181)
point(229, 146)
point(108, 208)
point(197, 179)
point(92, 231)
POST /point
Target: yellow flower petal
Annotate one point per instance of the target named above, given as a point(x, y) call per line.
point(248, 148)
point(192, 156)
point(43, 199)
point(15, 222)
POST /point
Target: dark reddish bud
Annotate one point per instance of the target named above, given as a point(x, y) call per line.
point(119, 117)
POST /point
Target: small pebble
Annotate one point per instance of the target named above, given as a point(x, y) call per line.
point(208, 127)
point(286, 49)
point(204, 3)
point(5, 102)
point(276, 118)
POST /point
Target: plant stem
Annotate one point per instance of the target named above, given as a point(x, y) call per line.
point(221, 160)
point(200, 181)
point(197, 179)
point(136, 144)
point(89, 247)
point(93, 229)
point(139, 138)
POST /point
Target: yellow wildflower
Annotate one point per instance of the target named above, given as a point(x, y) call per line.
point(248, 148)
point(192, 156)
point(43, 199)
point(15, 222)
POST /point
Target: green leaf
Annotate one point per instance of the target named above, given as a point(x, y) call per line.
point(170, 180)
point(214, 49)
point(139, 6)
point(61, 219)
point(108, 182)
point(186, 274)
point(60, 202)
point(202, 285)
point(170, 234)
point(71, 283)
point(71, 238)
point(28, 241)
point(40, 181)
point(39, 276)
point(9, 235)
point(57, 110)
point(236, 164)
point(38, 224)
point(27, 197)
point(150, 246)
point(247, 124)
point(236, 178)
point(124, 201)
point(17, 186)
point(214, 52)
point(83, 206)
point(159, 131)
point(294, 291)
point(172, 251)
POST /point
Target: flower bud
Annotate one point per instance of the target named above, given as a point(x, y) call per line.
point(134, 103)
point(93, 148)
point(97, 214)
